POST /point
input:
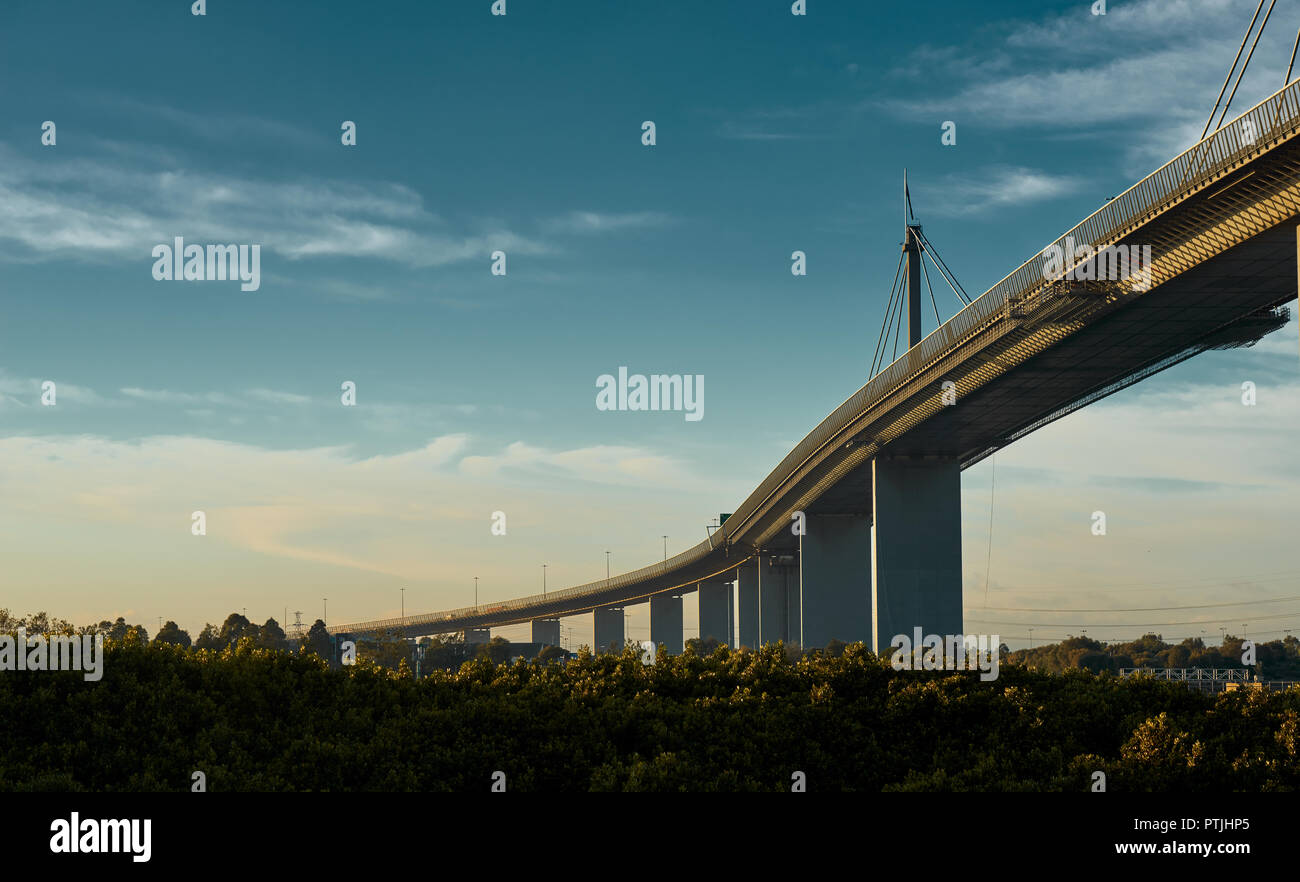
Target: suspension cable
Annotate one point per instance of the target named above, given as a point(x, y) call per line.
point(1292, 64)
point(902, 300)
point(1246, 64)
point(889, 310)
point(942, 267)
point(885, 325)
point(938, 320)
point(902, 304)
point(949, 274)
point(1224, 88)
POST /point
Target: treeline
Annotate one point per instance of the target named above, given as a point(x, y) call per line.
point(236, 627)
point(391, 651)
point(256, 719)
point(1275, 660)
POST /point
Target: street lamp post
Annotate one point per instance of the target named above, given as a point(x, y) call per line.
point(543, 580)
point(606, 566)
point(476, 594)
point(1031, 638)
point(403, 607)
point(665, 548)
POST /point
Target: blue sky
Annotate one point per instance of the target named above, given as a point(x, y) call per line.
point(476, 392)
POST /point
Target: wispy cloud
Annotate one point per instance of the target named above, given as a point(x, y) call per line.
point(272, 396)
point(1146, 71)
point(604, 222)
point(321, 504)
point(93, 209)
point(230, 128)
point(602, 464)
point(774, 123)
point(27, 391)
point(991, 187)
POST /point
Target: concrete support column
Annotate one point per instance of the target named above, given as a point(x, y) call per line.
point(546, 631)
point(609, 628)
point(666, 622)
point(778, 598)
point(715, 611)
point(747, 588)
point(478, 635)
point(916, 548)
point(835, 579)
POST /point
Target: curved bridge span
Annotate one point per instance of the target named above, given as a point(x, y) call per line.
point(883, 470)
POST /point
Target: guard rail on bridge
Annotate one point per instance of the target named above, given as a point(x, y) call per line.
point(1191, 675)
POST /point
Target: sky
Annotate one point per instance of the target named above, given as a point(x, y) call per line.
point(475, 392)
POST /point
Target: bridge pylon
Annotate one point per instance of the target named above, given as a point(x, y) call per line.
point(610, 628)
point(915, 547)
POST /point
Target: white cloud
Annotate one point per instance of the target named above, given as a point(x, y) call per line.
point(271, 396)
point(233, 128)
point(90, 209)
point(598, 222)
point(773, 123)
point(26, 392)
point(1146, 72)
point(599, 464)
point(290, 521)
point(165, 396)
point(992, 187)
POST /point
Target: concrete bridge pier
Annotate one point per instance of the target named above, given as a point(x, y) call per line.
point(747, 590)
point(609, 627)
point(716, 611)
point(666, 622)
point(478, 635)
point(916, 547)
point(835, 579)
point(546, 631)
point(778, 598)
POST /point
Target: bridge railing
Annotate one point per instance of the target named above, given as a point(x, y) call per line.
point(1191, 675)
point(522, 604)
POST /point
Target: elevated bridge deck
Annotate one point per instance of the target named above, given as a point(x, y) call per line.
point(1221, 221)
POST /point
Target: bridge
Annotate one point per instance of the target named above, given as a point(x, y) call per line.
point(878, 481)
